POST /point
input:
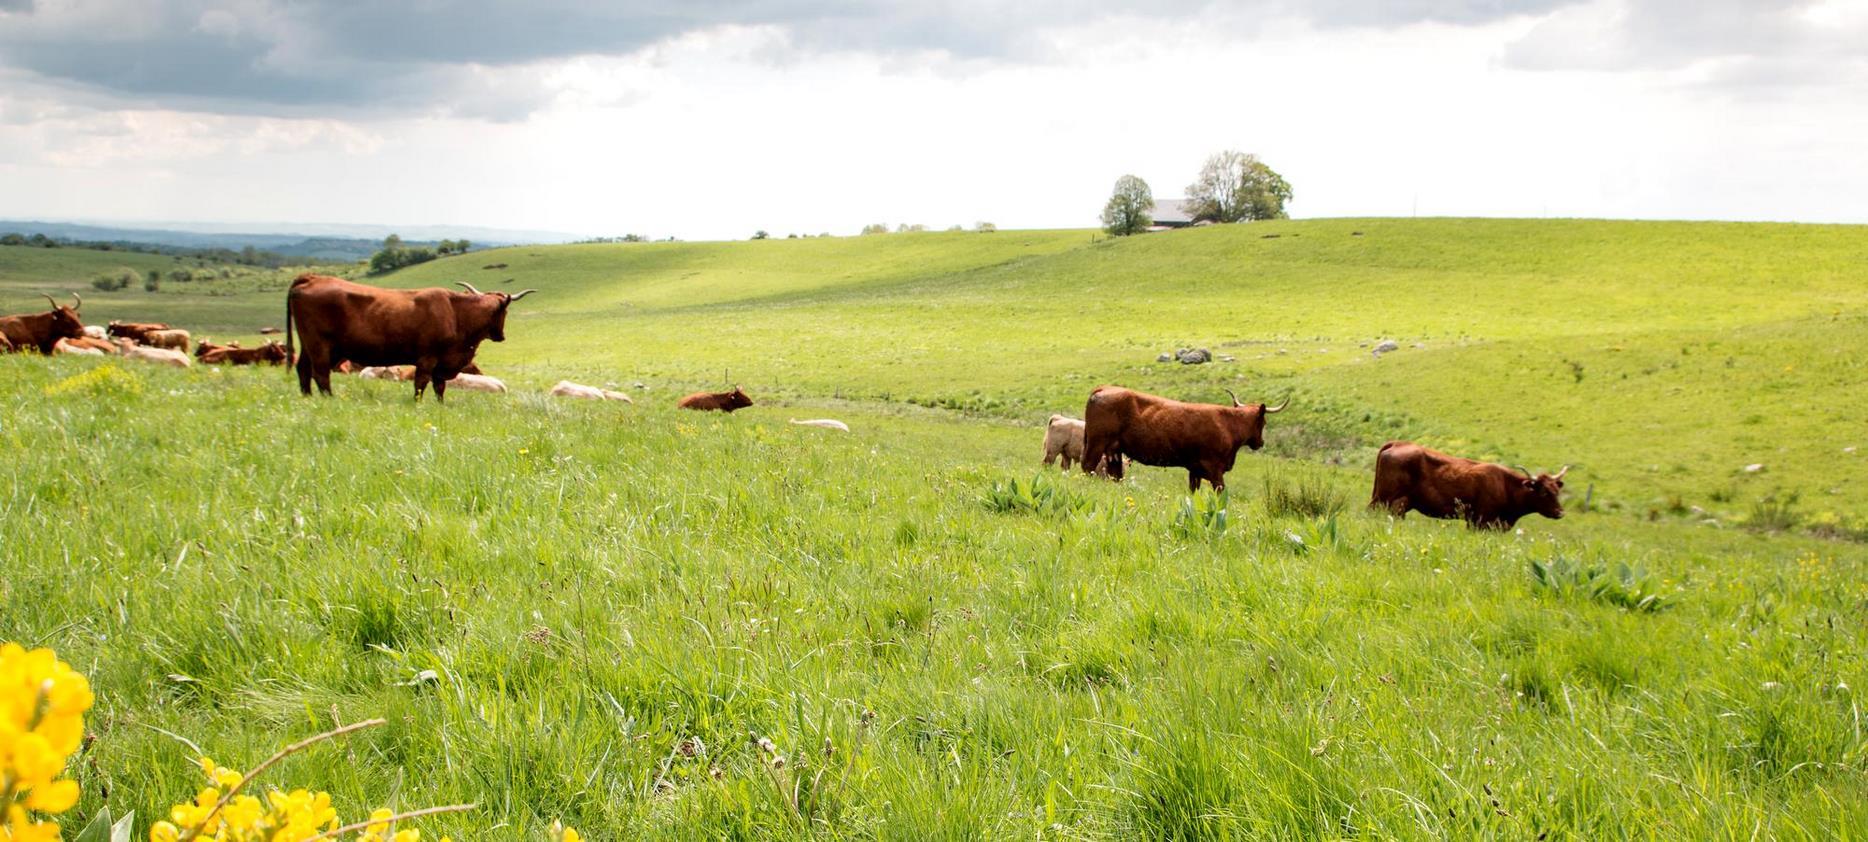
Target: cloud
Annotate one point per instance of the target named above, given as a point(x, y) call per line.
point(486, 57)
point(1735, 44)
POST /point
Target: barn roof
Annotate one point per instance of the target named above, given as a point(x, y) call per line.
point(1172, 211)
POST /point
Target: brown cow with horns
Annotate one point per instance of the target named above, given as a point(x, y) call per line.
point(1485, 494)
point(1153, 430)
point(433, 329)
point(43, 330)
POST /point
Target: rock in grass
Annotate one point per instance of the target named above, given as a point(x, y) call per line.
point(1166, 357)
point(1386, 346)
point(1193, 356)
point(1754, 467)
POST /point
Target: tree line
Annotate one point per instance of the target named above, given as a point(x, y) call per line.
point(1231, 187)
point(394, 255)
point(248, 256)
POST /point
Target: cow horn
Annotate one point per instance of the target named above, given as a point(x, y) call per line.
point(51, 301)
point(1279, 408)
point(1559, 474)
point(1523, 470)
point(520, 294)
point(470, 287)
point(1235, 398)
point(79, 299)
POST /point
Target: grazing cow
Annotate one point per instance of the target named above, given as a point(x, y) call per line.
point(716, 401)
point(160, 356)
point(43, 330)
point(1063, 437)
point(1153, 430)
point(436, 330)
point(174, 339)
point(71, 346)
point(478, 383)
point(96, 332)
point(271, 353)
point(133, 330)
point(826, 423)
point(1487, 495)
point(567, 389)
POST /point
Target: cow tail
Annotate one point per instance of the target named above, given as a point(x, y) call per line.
point(291, 359)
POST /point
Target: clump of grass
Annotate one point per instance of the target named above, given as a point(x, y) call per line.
point(1201, 516)
point(1622, 586)
point(1321, 532)
point(1774, 514)
point(1040, 496)
point(1307, 497)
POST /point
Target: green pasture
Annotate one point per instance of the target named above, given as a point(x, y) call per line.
point(593, 612)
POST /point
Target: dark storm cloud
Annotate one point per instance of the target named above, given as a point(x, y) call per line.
point(272, 56)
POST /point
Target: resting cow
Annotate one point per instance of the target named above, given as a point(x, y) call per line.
point(271, 353)
point(1409, 477)
point(478, 383)
point(567, 389)
point(174, 339)
point(71, 346)
point(716, 401)
point(41, 331)
point(1153, 430)
point(433, 329)
point(86, 343)
point(137, 331)
point(161, 356)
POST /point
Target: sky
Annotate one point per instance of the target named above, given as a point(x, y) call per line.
point(711, 119)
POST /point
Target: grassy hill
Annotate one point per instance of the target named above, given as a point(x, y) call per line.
point(591, 612)
point(1659, 358)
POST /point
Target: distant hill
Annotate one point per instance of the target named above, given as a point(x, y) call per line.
point(320, 241)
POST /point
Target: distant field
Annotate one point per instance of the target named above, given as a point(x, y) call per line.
point(589, 612)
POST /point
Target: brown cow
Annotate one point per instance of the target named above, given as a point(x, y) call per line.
point(435, 330)
point(716, 401)
point(1153, 430)
point(271, 353)
point(174, 339)
point(43, 330)
point(1486, 495)
point(204, 346)
point(137, 331)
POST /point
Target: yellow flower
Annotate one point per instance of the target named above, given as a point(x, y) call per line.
point(55, 797)
point(164, 832)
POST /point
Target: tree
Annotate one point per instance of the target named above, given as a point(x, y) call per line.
point(444, 247)
point(461, 246)
point(876, 228)
point(760, 234)
point(985, 227)
point(1129, 207)
point(153, 282)
point(1235, 187)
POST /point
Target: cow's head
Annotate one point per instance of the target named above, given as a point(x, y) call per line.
point(1544, 492)
point(65, 321)
point(737, 399)
point(1252, 419)
point(496, 325)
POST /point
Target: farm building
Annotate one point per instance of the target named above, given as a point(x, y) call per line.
point(1171, 213)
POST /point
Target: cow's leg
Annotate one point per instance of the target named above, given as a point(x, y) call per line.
point(1050, 456)
point(1093, 452)
point(441, 389)
point(1112, 464)
point(304, 374)
point(321, 372)
point(421, 384)
point(1066, 457)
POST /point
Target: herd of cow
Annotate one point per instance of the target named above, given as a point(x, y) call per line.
point(429, 336)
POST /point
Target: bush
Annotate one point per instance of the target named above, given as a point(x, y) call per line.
point(1200, 517)
point(1308, 497)
point(1042, 496)
point(1623, 586)
point(115, 280)
point(1772, 514)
